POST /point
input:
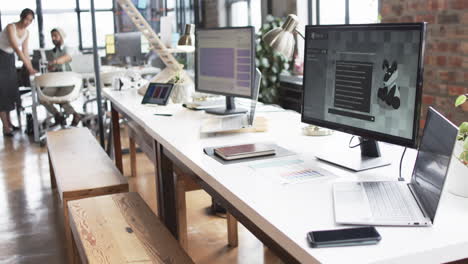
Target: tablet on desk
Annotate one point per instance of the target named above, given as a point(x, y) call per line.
point(157, 93)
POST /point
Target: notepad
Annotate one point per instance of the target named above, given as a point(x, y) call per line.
point(244, 151)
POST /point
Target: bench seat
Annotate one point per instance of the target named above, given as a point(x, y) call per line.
point(80, 168)
point(121, 228)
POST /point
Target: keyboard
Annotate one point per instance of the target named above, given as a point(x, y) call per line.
point(389, 200)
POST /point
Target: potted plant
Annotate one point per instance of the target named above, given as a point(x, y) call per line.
point(463, 131)
point(182, 90)
point(269, 62)
point(459, 167)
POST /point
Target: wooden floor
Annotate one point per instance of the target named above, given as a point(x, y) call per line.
point(31, 224)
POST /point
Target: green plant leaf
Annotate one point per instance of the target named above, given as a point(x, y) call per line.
point(463, 131)
point(464, 157)
point(460, 100)
point(463, 128)
point(465, 144)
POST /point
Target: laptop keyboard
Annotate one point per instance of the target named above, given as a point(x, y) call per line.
point(388, 200)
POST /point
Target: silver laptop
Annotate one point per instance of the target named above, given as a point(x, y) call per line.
point(398, 203)
point(234, 122)
point(229, 123)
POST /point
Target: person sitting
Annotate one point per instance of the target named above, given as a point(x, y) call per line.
point(61, 55)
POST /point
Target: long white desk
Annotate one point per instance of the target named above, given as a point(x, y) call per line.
point(281, 215)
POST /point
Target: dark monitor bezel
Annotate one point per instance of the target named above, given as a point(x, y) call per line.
point(252, 79)
point(125, 37)
point(432, 114)
point(413, 142)
point(149, 99)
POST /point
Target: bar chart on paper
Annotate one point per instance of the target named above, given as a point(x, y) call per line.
point(289, 171)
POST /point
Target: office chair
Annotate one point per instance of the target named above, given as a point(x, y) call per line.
point(56, 79)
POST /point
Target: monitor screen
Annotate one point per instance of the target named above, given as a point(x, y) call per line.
point(225, 61)
point(365, 80)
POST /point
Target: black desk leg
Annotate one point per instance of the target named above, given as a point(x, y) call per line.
point(116, 136)
point(166, 190)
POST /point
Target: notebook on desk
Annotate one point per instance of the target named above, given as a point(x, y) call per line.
point(398, 203)
point(245, 151)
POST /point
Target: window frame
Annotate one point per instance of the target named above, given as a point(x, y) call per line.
point(77, 10)
point(311, 11)
point(229, 4)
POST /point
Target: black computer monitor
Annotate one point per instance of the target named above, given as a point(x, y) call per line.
point(128, 48)
point(365, 80)
point(225, 65)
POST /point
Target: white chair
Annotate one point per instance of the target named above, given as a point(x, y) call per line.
point(59, 79)
point(53, 79)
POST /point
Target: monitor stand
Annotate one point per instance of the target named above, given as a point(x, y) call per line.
point(230, 108)
point(369, 157)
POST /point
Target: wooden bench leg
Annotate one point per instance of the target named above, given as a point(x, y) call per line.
point(181, 213)
point(68, 234)
point(76, 256)
point(53, 183)
point(116, 138)
point(132, 147)
point(232, 230)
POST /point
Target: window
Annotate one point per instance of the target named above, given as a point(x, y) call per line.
point(326, 12)
point(332, 12)
point(98, 4)
point(363, 11)
point(104, 26)
point(104, 22)
point(53, 20)
point(239, 14)
point(16, 7)
point(244, 13)
point(59, 4)
point(55, 12)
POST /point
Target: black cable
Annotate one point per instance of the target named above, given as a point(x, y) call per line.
point(401, 162)
point(349, 144)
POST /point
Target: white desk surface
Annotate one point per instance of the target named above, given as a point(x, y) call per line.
point(287, 212)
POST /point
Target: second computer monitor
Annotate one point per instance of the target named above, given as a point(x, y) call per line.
point(225, 64)
point(365, 80)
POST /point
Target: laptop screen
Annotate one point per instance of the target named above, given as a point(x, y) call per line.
point(433, 160)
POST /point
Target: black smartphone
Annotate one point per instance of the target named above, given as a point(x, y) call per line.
point(344, 237)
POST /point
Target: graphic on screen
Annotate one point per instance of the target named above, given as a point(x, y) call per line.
point(364, 78)
point(157, 93)
point(224, 61)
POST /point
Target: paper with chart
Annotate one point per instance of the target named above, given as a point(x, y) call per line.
point(289, 171)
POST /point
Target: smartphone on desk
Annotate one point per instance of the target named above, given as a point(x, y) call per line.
point(344, 237)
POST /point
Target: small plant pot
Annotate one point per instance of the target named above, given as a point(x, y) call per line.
point(182, 92)
point(457, 178)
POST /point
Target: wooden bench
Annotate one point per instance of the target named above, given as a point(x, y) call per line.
point(121, 228)
point(80, 168)
point(184, 183)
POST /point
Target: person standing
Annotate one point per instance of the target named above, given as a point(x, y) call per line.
point(14, 39)
point(62, 56)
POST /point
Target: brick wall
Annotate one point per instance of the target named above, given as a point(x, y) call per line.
point(446, 55)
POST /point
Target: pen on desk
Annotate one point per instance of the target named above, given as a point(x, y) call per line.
point(163, 114)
